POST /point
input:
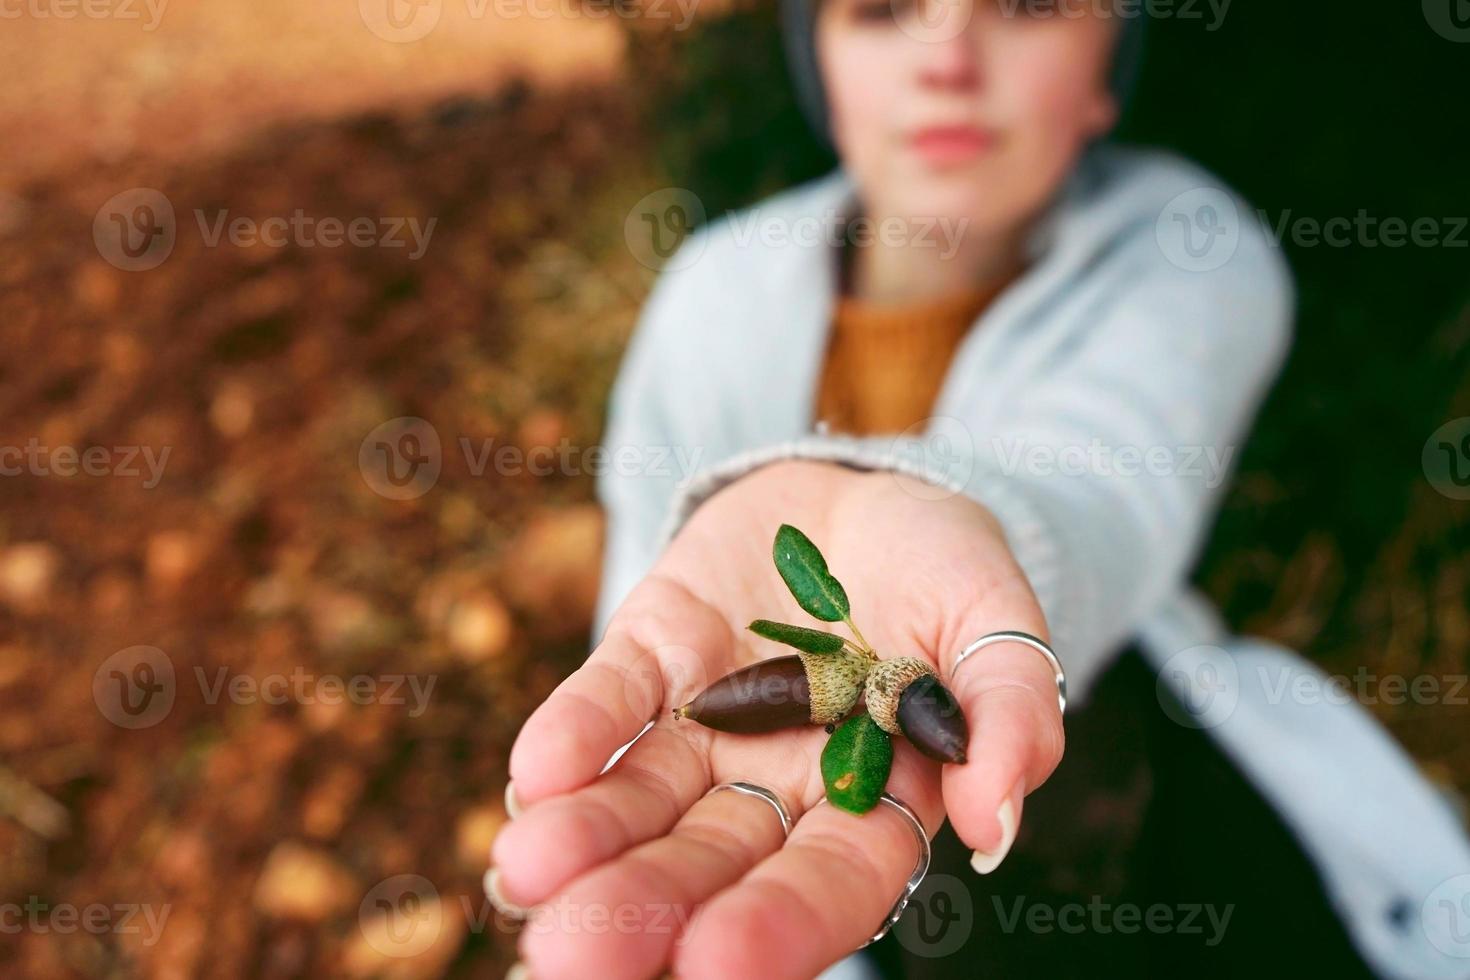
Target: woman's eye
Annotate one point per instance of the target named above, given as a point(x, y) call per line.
point(879, 11)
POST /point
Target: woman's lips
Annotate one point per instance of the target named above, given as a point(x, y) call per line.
point(948, 145)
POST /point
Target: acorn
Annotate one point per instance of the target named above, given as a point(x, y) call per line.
point(783, 692)
point(905, 695)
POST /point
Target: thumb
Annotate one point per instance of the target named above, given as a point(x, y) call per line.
point(1008, 692)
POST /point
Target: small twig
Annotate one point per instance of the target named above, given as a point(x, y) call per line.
point(32, 807)
point(862, 643)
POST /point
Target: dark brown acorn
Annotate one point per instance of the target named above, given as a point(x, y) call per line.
point(784, 692)
point(932, 719)
point(905, 695)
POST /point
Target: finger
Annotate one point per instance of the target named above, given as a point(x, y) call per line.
point(1009, 695)
point(623, 918)
point(819, 897)
point(661, 644)
point(639, 798)
point(594, 712)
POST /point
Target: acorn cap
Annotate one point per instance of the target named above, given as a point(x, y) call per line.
point(835, 681)
point(886, 681)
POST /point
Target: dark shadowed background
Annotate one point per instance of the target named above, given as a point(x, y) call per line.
point(249, 680)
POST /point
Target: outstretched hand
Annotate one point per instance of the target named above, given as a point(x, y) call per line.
point(635, 871)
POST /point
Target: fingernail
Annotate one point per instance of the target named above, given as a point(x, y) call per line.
point(518, 971)
point(985, 862)
point(498, 899)
point(512, 805)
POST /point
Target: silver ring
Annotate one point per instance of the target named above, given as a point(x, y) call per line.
point(751, 789)
point(920, 869)
point(1017, 636)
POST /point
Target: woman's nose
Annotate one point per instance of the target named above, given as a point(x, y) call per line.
point(951, 56)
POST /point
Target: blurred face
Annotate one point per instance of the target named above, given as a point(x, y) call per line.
point(967, 109)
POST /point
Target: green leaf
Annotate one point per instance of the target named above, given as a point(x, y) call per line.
point(806, 640)
point(855, 764)
point(805, 572)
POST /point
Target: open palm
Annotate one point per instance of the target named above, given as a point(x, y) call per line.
point(636, 871)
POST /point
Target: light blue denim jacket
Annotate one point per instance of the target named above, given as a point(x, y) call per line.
point(1095, 408)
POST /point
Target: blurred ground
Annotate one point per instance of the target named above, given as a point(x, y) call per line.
point(263, 550)
point(162, 78)
point(267, 829)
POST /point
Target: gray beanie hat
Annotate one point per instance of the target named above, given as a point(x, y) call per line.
point(799, 28)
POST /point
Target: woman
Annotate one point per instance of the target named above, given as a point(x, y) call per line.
point(1022, 426)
